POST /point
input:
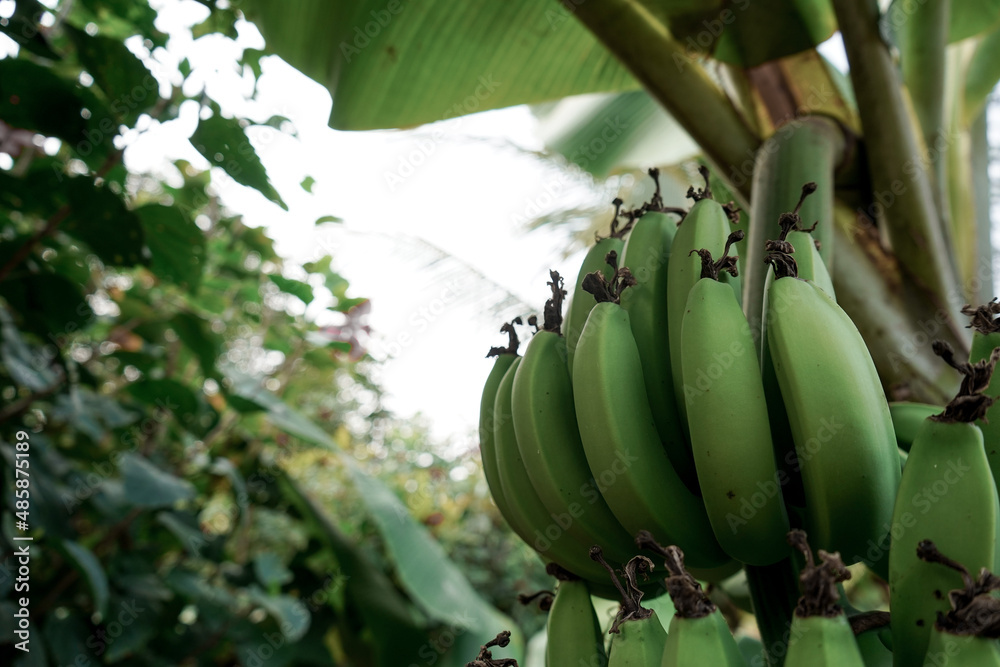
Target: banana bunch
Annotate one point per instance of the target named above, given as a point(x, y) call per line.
point(656, 406)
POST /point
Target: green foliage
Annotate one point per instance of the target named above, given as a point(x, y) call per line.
point(184, 512)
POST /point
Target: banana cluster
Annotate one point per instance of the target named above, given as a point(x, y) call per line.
point(655, 406)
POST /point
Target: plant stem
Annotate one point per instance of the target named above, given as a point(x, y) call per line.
point(981, 286)
point(774, 592)
point(672, 76)
point(922, 38)
point(900, 182)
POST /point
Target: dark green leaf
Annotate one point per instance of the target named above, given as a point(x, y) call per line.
point(27, 366)
point(186, 531)
point(422, 565)
point(224, 143)
point(52, 306)
point(271, 571)
point(24, 28)
point(138, 626)
point(128, 86)
point(969, 18)
point(98, 217)
point(66, 636)
point(398, 64)
point(121, 19)
point(33, 97)
point(302, 291)
point(84, 560)
point(291, 615)
point(278, 413)
point(197, 336)
point(328, 218)
point(191, 410)
point(762, 30)
point(146, 485)
point(398, 633)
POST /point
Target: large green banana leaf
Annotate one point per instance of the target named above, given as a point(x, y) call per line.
point(398, 63)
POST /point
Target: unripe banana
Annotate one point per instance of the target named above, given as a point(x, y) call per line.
point(809, 266)
point(820, 635)
point(706, 226)
point(728, 422)
point(638, 636)
point(961, 651)
point(966, 635)
point(947, 495)
point(698, 633)
point(622, 446)
point(505, 358)
point(529, 518)
point(985, 339)
point(574, 634)
point(647, 254)
point(580, 301)
point(839, 418)
point(908, 418)
point(545, 426)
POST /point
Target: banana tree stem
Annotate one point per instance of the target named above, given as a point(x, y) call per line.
point(675, 79)
point(900, 183)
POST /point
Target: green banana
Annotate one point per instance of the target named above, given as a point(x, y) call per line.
point(965, 636)
point(961, 651)
point(820, 634)
point(573, 631)
point(646, 255)
point(839, 418)
point(529, 518)
point(706, 226)
point(985, 339)
point(545, 426)
point(728, 421)
point(908, 418)
point(698, 633)
point(873, 651)
point(809, 266)
point(638, 637)
point(580, 301)
point(505, 358)
point(947, 494)
point(622, 446)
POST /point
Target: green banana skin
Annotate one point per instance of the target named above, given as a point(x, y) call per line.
point(873, 651)
point(839, 418)
point(822, 641)
point(529, 518)
point(647, 254)
point(810, 267)
point(946, 495)
point(961, 651)
point(907, 418)
point(622, 446)
point(581, 301)
point(705, 226)
point(728, 421)
point(982, 346)
point(545, 426)
point(639, 643)
point(487, 443)
point(701, 641)
point(574, 633)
